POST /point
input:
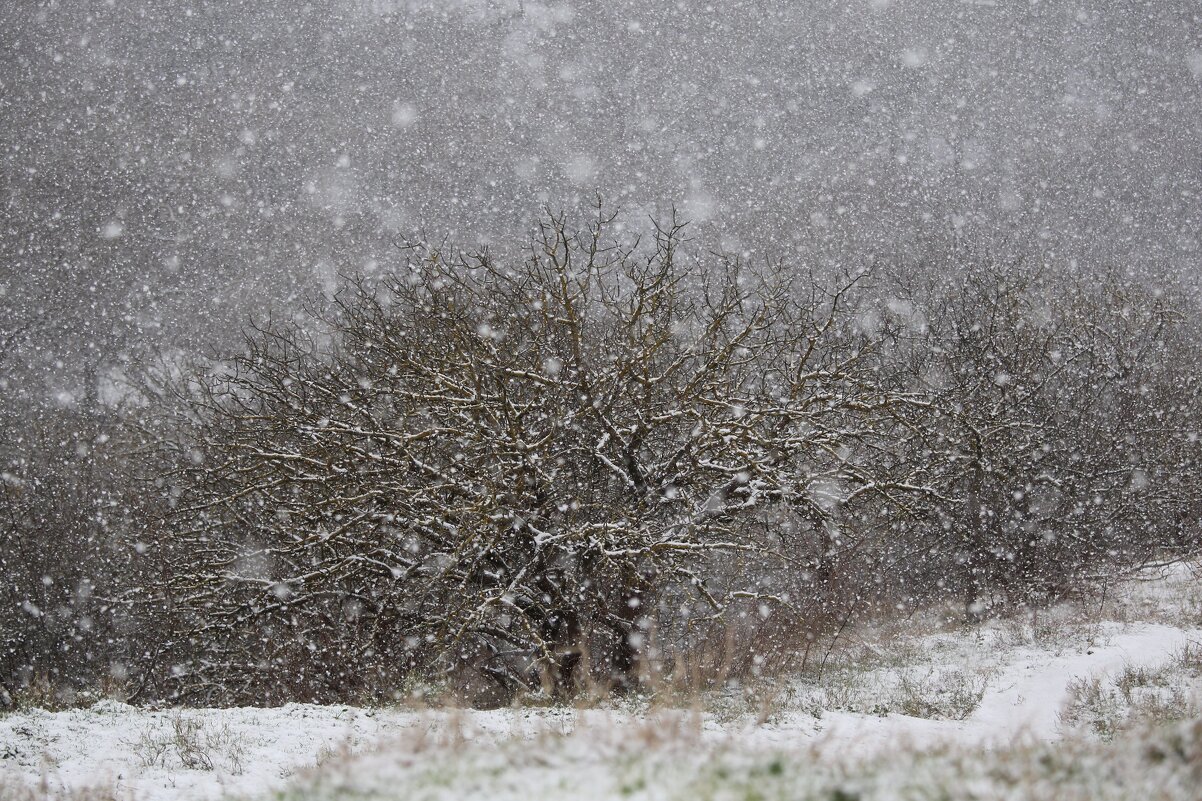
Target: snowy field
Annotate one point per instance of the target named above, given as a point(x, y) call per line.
point(894, 715)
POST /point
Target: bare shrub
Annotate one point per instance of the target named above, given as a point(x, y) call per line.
point(1065, 436)
point(192, 743)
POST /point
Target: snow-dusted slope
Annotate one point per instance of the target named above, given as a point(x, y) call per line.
point(1028, 696)
point(145, 754)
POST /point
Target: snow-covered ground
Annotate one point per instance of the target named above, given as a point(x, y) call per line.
point(982, 688)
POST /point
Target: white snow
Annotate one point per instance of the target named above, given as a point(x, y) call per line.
point(105, 745)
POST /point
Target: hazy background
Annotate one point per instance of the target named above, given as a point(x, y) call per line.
point(172, 167)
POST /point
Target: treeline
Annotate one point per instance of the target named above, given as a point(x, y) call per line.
point(609, 458)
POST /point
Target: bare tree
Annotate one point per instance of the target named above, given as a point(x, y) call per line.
point(513, 467)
